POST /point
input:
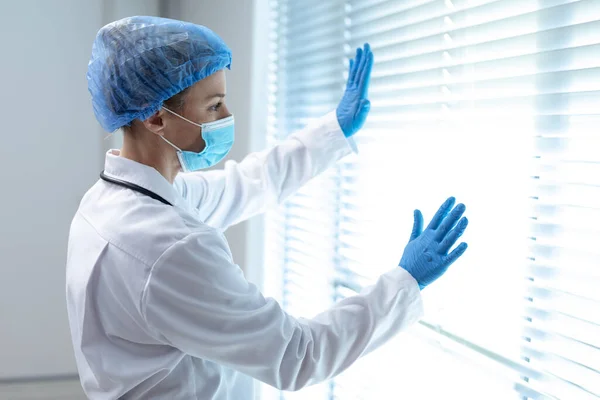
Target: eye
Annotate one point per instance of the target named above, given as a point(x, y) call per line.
point(216, 107)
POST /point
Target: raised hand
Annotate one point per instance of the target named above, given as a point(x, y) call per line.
point(426, 255)
point(354, 107)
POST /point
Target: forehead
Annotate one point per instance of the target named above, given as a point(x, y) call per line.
point(208, 87)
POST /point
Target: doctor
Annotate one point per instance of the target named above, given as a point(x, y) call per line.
point(157, 307)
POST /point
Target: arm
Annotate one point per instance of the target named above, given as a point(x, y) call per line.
point(199, 302)
point(242, 190)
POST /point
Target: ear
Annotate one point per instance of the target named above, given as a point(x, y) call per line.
point(155, 123)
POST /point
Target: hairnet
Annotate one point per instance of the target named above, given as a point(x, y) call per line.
point(139, 62)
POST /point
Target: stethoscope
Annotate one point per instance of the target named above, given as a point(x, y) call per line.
point(133, 187)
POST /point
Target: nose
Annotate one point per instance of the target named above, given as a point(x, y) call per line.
point(224, 111)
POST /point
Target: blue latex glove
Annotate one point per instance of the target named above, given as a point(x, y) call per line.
point(353, 109)
point(426, 256)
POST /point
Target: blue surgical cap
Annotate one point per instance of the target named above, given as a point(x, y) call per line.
point(139, 62)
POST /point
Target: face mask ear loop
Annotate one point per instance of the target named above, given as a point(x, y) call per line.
point(165, 139)
point(183, 118)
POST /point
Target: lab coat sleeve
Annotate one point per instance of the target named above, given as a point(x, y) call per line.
point(241, 190)
point(198, 301)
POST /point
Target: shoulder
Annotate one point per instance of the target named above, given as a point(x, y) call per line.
point(139, 225)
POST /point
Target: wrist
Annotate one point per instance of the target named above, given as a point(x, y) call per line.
point(421, 287)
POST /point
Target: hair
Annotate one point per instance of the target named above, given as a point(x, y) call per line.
point(174, 103)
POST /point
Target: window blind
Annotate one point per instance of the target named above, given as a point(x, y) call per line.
point(495, 102)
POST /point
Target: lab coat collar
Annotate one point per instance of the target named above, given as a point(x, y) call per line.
point(142, 175)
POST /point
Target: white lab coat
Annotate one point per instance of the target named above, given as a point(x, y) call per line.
point(159, 310)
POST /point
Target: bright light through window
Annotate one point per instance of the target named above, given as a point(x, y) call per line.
point(493, 102)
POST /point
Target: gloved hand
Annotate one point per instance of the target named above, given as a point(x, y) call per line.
point(353, 109)
point(426, 256)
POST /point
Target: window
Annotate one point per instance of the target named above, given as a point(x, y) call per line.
point(494, 102)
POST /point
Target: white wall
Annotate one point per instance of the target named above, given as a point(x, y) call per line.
point(243, 26)
point(51, 153)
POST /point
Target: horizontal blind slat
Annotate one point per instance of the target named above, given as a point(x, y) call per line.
point(413, 55)
point(396, 77)
point(529, 67)
point(527, 24)
point(439, 16)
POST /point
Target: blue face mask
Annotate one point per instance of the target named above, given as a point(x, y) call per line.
point(218, 137)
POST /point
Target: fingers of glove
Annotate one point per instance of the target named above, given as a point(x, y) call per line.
point(449, 222)
point(351, 71)
point(441, 213)
point(453, 236)
point(417, 225)
point(456, 253)
point(363, 58)
point(357, 62)
point(365, 74)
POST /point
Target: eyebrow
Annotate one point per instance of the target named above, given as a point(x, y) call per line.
point(212, 96)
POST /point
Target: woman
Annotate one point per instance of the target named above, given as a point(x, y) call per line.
point(157, 307)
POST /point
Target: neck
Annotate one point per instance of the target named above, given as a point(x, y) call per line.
point(149, 149)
